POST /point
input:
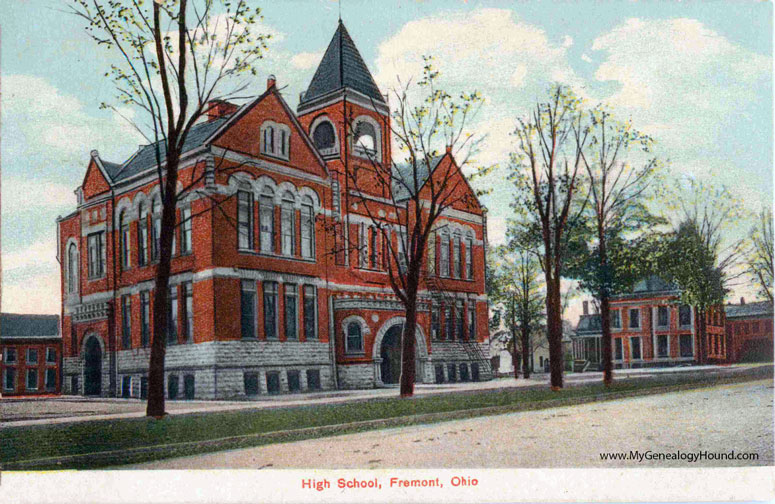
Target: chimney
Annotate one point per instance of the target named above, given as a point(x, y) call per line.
point(742, 300)
point(449, 149)
point(219, 108)
point(271, 81)
point(586, 307)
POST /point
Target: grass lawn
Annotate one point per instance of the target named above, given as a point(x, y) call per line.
point(134, 440)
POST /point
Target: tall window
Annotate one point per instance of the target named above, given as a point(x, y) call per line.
point(155, 229)
point(266, 220)
point(469, 257)
point(366, 139)
point(686, 345)
point(142, 236)
point(125, 236)
point(449, 318)
point(284, 143)
point(662, 316)
point(288, 216)
point(685, 315)
point(435, 322)
point(634, 318)
point(635, 348)
point(354, 337)
point(618, 349)
point(291, 311)
point(444, 255)
point(472, 320)
point(172, 316)
point(185, 229)
point(96, 245)
point(32, 379)
point(248, 309)
point(616, 319)
point(9, 379)
point(72, 268)
point(244, 220)
point(402, 244)
point(32, 356)
point(270, 310)
point(126, 321)
point(145, 318)
point(456, 255)
point(310, 312)
point(268, 144)
point(324, 137)
point(662, 345)
point(373, 250)
point(307, 228)
point(459, 319)
point(188, 316)
point(431, 253)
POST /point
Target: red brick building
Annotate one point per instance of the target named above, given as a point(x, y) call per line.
point(31, 350)
point(649, 328)
point(749, 331)
point(279, 280)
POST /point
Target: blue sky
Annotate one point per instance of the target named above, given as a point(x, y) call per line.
point(696, 75)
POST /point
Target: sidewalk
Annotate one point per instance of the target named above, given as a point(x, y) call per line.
point(19, 412)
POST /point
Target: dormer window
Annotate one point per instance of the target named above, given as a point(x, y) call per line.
point(275, 140)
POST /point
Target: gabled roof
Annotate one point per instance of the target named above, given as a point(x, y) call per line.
point(18, 326)
point(403, 178)
point(342, 67)
point(756, 309)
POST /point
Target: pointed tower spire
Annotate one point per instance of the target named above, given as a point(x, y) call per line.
point(342, 67)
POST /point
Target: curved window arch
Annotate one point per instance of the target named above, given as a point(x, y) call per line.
point(275, 139)
point(266, 220)
point(72, 268)
point(307, 228)
point(268, 143)
point(354, 337)
point(444, 254)
point(366, 138)
point(287, 224)
point(155, 228)
point(469, 255)
point(456, 264)
point(126, 251)
point(324, 136)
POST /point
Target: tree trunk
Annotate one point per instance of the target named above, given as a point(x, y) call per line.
point(526, 351)
point(408, 371)
point(702, 353)
point(554, 331)
point(514, 358)
point(156, 406)
point(605, 321)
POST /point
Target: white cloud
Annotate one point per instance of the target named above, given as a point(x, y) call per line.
point(31, 279)
point(678, 77)
point(306, 60)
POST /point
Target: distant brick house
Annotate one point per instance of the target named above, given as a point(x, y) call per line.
point(749, 334)
point(650, 328)
point(265, 297)
point(31, 350)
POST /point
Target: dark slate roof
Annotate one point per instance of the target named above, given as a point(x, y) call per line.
point(756, 309)
point(653, 284)
point(145, 158)
point(17, 325)
point(589, 324)
point(403, 183)
point(342, 66)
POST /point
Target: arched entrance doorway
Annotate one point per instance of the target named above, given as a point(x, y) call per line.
point(92, 372)
point(390, 352)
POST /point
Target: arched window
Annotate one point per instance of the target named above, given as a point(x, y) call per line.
point(142, 235)
point(266, 220)
point(268, 145)
point(469, 255)
point(155, 229)
point(324, 136)
point(72, 268)
point(354, 337)
point(125, 248)
point(288, 228)
point(444, 254)
point(456, 255)
point(307, 228)
point(366, 137)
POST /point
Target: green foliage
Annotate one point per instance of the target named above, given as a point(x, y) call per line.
point(517, 289)
point(760, 258)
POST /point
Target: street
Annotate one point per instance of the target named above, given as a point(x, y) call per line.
point(735, 417)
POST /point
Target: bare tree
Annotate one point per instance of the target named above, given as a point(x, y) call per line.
point(760, 258)
point(545, 171)
point(173, 59)
point(430, 133)
point(618, 186)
